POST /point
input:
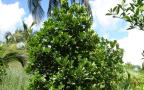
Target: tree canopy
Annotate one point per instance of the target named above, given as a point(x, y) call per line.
point(66, 54)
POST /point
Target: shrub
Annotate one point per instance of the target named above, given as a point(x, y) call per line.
point(67, 54)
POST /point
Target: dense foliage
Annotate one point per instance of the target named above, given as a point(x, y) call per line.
point(67, 54)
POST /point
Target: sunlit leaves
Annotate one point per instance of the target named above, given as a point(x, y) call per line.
point(131, 12)
point(70, 56)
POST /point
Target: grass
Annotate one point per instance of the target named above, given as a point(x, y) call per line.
point(136, 78)
point(16, 78)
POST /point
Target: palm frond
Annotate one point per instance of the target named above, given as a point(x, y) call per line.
point(72, 1)
point(25, 27)
point(22, 59)
point(9, 37)
point(30, 5)
point(7, 34)
point(26, 32)
point(14, 56)
point(36, 10)
point(33, 23)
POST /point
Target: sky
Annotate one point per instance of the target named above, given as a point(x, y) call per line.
point(12, 12)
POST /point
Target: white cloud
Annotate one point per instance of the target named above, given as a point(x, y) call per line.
point(100, 8)
point(29, 20)
point(133, 46)
point(10, 16)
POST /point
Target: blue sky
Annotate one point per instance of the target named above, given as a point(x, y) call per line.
point(23, 4)
point(12, 12)
point(112, 31)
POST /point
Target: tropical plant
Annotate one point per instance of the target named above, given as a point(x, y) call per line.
point(9, 38)
point(10, 51)
point(20, 36)
point(66, 54)
point(37, 11)
point(131, 12)
point(5, 58)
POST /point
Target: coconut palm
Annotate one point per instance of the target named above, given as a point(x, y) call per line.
point(20, 35)
point(11, 50)
point(37, 11)
point(9, 38)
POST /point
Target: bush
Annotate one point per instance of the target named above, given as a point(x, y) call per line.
point(67, 54)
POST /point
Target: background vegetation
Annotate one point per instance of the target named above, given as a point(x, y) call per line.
point(67, 54)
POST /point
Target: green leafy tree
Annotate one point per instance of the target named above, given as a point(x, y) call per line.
point(131, 12)
point(37, 11)
point(66, 54)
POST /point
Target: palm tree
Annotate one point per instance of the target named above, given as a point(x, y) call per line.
point(37, 11)
point(20, 35)
point(10, 51)
point(9, 38)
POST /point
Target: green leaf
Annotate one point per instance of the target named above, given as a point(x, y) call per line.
point(117, 10)
point(137, 11)
point(108, 14)
point(127, 18)
point(132, 6)
point(114, 8)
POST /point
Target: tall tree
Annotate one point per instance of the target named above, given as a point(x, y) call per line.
point(66, 54)
point(37, 11)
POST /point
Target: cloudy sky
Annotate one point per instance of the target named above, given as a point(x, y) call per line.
point(12, 12)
